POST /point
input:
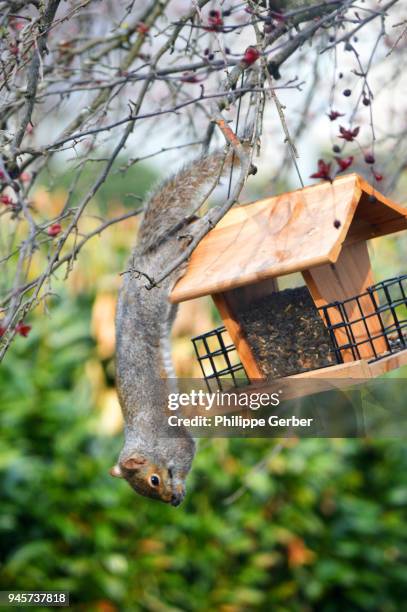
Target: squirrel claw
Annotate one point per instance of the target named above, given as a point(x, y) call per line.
point(187, 237)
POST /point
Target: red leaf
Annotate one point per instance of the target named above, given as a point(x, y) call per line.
point(344, 163)
point(333, 115)
point(324, 171)
point(349, 134)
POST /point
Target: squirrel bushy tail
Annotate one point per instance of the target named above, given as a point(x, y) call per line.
point(177, 198)
point(153, 461)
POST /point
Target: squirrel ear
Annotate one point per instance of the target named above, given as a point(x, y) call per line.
point(134, 462)
point(116, 471)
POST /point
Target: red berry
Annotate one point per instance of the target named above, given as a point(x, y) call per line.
point(23, 329)
point(5, 199)
point(142, 28)
point(378, 177)
point(16, 24)
point(369, 158)
point(2, 331)
point(250, 56)
point(54, 229)
point(215, 21)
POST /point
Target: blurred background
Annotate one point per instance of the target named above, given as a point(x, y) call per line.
point(320, 525)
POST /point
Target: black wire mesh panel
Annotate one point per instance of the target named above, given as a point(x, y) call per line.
point(388, 311)
point(219, 360)
point(221, 366)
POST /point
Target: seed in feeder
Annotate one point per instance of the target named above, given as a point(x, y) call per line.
point(286, 333)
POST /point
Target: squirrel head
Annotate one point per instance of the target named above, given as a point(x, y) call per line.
point(150, 479)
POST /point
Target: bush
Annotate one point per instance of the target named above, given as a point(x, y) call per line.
point(319, 526)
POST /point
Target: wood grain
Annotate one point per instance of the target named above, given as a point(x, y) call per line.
point(355, 369)
point(339, 376)
point(348, 277)
point(288, 233)
point(392, 362)
point(227, 309)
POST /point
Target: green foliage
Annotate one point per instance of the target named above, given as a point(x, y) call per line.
point(321, 527)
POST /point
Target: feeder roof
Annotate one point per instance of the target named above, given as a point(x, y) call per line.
point(288, 233)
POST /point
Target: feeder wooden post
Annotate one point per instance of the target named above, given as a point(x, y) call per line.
point(226, 307)
point(348, 277)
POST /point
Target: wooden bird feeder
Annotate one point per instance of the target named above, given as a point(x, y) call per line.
point(341, 323)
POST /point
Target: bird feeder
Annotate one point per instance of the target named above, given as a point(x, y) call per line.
point(340, 323)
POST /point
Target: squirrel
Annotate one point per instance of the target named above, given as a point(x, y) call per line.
point(152, 460)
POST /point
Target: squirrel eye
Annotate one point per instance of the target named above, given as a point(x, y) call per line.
point(154, 480)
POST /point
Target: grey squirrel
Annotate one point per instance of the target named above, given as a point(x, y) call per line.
point(153, 462)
